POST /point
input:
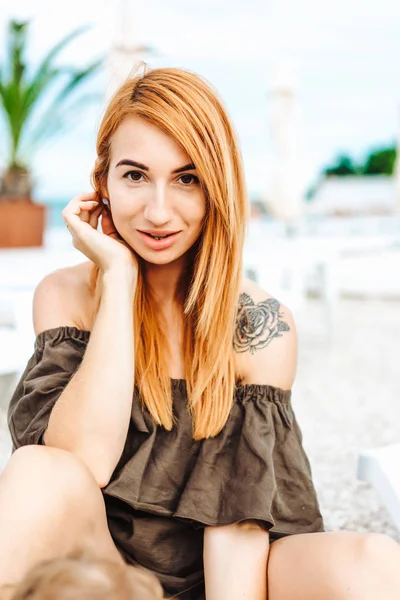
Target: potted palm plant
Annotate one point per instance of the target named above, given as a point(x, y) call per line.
point(26, 125)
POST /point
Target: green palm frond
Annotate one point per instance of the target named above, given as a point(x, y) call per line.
point(20, 96)
point(76, 79)
point(46, 72)
point(56, 121)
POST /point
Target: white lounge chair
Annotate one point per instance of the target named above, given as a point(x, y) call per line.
point(16, 330)
point(284, 278)
point(381, 468)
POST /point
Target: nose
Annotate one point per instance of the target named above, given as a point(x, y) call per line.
point(158, 209)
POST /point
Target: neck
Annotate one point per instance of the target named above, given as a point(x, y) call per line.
point(165, 284)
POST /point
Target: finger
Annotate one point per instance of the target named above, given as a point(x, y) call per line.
point(107, 224)
point(84, 216)
point(85, 208)
point(79, 213)
point(94, 216)
point(83, 197)
point(72, 204)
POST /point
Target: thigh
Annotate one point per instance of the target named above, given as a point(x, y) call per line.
point(320, 566)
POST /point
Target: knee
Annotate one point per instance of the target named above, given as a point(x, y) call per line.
point(42, 468)
point(359, 559)
point(375, 549)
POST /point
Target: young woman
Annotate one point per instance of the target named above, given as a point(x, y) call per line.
point(153, 423)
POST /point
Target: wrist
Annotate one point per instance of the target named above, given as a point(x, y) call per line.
point(121, 274)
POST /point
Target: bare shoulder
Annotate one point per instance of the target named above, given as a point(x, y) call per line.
point(63, 298)
point(265, 338)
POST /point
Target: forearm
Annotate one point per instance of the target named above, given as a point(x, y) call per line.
point(91, 417)
point(235, 562)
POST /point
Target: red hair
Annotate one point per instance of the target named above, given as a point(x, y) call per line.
point(185, 107)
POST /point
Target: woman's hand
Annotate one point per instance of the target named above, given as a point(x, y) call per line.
point(106, 249)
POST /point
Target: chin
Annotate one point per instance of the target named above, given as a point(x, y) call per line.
point(160, 257)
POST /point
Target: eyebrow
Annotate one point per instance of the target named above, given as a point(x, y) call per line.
point(133, 163)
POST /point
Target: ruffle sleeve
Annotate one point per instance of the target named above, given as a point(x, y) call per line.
point(57, 355)
point(254, 469)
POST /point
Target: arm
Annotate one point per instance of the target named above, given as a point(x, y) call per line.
point(266, 339)
point(235, 562)
point(91, 417)
point(236, 556)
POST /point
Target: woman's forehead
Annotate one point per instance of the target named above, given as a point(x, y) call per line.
point(144, 142)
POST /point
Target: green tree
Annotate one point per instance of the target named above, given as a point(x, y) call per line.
point(21, 97)
point(344, 166)
point(380, 162)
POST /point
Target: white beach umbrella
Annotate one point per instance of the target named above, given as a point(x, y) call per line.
point(285, 193)
point(128, 49)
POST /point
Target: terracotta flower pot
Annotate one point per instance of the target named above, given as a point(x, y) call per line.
point(22, 223)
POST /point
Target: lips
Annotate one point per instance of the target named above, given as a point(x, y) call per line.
point(158, 244)
point(158, 236)
point(158, 232)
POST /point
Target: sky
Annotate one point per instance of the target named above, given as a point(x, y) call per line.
point(342, 59)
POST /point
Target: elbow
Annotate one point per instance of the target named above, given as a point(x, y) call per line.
point(103, 481)
point(98, 457)
point(100, 471)
point(100, 466)
point(101, 476)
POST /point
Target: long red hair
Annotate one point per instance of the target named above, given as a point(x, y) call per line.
point(185, 107)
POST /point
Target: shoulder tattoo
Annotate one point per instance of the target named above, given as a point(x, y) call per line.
point(257, 324)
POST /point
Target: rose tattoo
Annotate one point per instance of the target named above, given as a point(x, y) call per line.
point(257, 324)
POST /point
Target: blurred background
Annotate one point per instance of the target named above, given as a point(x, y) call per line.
point(314, 94)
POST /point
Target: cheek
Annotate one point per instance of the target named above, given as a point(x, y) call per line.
point(196, 208)
point(122, 202)
point(116, 189)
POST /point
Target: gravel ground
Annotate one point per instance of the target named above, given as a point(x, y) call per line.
point(346, 398)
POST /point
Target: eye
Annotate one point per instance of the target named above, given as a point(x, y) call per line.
point(188, 179)
point(133, 175)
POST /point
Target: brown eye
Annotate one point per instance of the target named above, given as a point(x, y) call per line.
point(133, 175)
point(189, 179)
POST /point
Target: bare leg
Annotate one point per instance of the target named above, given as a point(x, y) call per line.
point(334, 566)
point(50, 505)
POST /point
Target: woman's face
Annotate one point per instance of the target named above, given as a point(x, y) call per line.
point(154, 192)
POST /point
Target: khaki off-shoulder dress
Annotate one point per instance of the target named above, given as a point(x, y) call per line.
point(167, 487)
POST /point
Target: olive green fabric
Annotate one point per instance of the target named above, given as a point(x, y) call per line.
point(167, 486)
